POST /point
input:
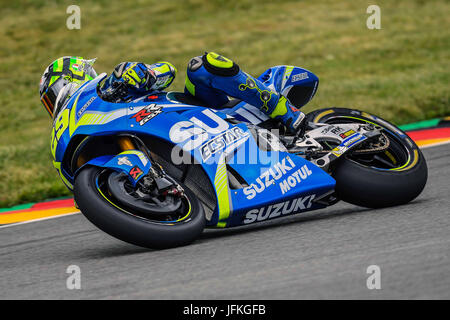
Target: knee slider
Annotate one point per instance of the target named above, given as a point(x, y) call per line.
point(195, 63)
point(219, 65)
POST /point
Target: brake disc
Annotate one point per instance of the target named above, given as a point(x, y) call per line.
point(139, 201)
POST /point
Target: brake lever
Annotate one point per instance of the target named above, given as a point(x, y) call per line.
point(115, 92)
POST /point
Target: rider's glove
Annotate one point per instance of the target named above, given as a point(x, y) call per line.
point(135, 75)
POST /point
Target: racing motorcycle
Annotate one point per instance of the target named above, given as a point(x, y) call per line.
point(156, 171)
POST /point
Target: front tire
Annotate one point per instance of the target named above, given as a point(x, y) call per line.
point(376, 183)
point(124, 224)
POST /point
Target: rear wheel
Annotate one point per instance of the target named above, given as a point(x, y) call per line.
point(129, 214)
point(393, 176)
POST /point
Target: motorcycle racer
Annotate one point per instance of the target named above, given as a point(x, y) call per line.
point(211, 78)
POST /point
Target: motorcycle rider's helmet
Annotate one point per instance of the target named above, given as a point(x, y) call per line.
point(61, 79)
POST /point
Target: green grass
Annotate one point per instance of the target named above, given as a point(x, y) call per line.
point(400, 72)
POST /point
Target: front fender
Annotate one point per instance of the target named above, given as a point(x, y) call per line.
point(134, 163)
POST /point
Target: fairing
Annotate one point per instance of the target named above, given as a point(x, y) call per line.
point(274, 179)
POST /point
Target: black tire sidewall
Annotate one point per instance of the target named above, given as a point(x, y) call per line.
point(130, 228)
point(374, 188)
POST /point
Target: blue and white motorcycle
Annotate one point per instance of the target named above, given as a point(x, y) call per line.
point(156, 171)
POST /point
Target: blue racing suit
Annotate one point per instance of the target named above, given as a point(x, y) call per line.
point(213, 78)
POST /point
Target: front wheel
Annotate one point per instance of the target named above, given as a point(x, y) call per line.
point(113, 206)
point(392, 176)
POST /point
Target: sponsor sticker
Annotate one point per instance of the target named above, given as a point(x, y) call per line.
point(136, 172)
point(222, 141)
point(300, 76)
point(86, 105)
point(347, 143)
point(332, 129)
point(295, 178)
point(339, 151)
point(146, 114)
point(268, 178)
point(352, 140)
point(124, 161)
point(347, 134)
point(279, 209)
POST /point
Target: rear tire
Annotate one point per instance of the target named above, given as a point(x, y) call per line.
point(132, 228)
point(371, 186)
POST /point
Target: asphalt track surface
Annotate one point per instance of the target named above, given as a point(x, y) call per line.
point(317, 255)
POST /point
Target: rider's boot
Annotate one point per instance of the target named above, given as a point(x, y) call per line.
point(291, 117)
point(212, 78)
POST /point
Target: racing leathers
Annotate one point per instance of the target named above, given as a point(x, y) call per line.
point(211, 78)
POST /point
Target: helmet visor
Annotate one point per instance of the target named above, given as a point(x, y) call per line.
point(48, 98)
point(63, 97)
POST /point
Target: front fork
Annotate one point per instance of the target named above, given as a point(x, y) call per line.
point(156, 174)
point(125, 143)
